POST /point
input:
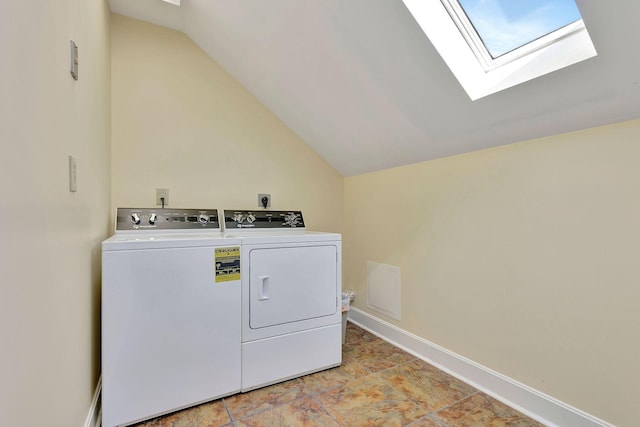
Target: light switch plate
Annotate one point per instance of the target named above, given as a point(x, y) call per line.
point(73, 64)
point(73, 174)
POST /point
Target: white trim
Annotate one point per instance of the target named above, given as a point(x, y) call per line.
point(94, 418)
point(533, 403)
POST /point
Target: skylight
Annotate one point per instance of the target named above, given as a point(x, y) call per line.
point(491, 45)
point(504, 26)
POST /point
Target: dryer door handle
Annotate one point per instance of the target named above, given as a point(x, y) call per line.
point(263, 288)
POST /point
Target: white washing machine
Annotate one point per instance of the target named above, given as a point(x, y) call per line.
point(291, 287)
point(170, 313)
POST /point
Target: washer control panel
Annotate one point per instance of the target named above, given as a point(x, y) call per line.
point(262, 219)
point(166, 219)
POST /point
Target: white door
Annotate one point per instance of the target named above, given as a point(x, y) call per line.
point(292, 284)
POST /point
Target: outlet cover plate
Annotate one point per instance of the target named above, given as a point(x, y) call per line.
point(162, 192)
point(260, 196)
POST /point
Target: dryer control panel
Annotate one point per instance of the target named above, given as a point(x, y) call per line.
point(263, 219)
point(128, 219)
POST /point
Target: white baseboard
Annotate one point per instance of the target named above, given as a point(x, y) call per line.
point(535, 404)
point(94, 418)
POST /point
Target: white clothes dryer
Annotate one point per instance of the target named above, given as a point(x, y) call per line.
point(291, 287)
point(170, 313)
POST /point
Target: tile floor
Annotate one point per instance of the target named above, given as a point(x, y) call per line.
point(376, 385)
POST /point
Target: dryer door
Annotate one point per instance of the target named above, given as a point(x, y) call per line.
point(292, 284)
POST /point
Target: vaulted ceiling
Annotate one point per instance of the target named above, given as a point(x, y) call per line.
point(362, 85)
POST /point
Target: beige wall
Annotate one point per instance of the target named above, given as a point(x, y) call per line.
point(181, 122)
point(49, 237)
point(523, 258)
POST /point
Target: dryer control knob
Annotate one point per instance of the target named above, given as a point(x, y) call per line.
point(203, 219)
point(135, 218)
point(291, 220)
point(153, 218)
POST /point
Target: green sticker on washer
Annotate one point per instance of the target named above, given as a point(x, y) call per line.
point(227, 264)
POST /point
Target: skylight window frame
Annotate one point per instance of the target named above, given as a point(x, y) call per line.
point(435, 21)
point(487, 60)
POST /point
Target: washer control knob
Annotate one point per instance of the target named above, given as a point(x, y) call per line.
point(203, 219)
point(135, 218)
point(250, 218)
point(153, 218)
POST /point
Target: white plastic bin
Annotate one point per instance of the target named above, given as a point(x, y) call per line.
point(346, 302)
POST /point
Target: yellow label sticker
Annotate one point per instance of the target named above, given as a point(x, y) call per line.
point(227, 264)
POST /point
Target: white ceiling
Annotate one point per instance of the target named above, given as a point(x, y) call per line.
point(361, 84)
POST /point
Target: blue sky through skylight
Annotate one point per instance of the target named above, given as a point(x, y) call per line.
point(505, 25)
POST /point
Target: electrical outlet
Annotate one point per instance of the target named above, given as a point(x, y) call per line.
point(262, 203)
point(160, 193)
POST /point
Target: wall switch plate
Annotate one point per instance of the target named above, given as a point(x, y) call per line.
point(73, 64)
point(73, 174)
point(160, 193)
point(261, 203)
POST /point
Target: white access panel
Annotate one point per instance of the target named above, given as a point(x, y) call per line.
point(170, 335)
point(289, 284)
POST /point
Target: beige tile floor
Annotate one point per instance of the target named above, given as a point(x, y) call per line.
point(376, 385)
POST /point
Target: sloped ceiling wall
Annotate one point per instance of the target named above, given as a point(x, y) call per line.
point(361, 84)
